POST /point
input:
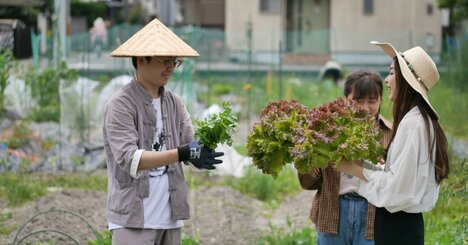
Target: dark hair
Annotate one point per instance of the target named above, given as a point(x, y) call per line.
point(135, 63)
point(406, 99)
point(363, 83)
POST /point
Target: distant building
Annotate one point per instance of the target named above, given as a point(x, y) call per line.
point(203, 13)
point(315, 31)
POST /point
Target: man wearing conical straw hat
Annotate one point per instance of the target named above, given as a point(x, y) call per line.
point(147, 134)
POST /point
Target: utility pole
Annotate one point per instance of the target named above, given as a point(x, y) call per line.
point(249, 48)
point(249, 57)
point(280, 67)
point(60, 22)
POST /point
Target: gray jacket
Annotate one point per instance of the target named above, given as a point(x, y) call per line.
point(129, 125)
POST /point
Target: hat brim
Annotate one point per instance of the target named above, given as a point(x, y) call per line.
point(406, 71)
point(155, 39)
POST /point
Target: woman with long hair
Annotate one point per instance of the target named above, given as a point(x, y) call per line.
point(417, 158)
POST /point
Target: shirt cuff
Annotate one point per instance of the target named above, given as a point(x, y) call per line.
point(135, 162)
point(369, 165)
point(363, 185)
point(367, 173)
point(379, 167)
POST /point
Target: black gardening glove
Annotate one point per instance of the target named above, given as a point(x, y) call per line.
point(201, 157)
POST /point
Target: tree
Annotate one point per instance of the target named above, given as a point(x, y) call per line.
point(458, 10)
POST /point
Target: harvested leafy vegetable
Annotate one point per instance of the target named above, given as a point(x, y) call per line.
point(339, 129)
point(288, 132)
point(217, 129)
point(270, 139)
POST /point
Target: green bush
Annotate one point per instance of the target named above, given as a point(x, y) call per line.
point(134, 14)
point(47, 113)
point(6, 63)
point(91, 10)
point(44, 87)
point(455, 64)
point(221, 89)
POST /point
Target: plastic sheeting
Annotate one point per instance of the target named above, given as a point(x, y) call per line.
point(18, 98)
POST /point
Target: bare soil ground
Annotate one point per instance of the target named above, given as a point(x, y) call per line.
point(220, 215)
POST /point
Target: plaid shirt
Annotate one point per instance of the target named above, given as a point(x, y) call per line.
point(325, 206)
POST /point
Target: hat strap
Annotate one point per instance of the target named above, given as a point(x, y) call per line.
point(414, 72)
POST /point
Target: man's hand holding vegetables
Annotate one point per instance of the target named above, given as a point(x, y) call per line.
point(210, 132)
point(200, 156)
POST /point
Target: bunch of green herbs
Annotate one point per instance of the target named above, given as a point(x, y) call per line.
point(217, 129)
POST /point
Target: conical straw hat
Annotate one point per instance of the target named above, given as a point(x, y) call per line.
point(154, 39)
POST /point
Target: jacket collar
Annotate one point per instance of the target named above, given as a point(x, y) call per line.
point(384, 122)
point(143, 92)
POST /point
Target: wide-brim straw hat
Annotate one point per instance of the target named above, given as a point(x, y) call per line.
point(417, 67)
point(154, 39)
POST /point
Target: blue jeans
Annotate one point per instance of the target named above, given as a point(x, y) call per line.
point(352, 226)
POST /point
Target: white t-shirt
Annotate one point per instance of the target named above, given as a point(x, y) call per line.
point(157, 208)
point(348, 184)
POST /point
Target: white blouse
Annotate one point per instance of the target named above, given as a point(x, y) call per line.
point(408, 182)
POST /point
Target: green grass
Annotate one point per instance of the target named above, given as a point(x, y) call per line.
point(447, 98)
point(19, 188)
point(6, 229)
point(452, 106)
point(264, 187)
point(288, 235)
point(105, 238)
point(447, 223)
point(188, 240)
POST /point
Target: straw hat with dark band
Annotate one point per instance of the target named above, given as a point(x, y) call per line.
point(154, 39)
point(417, 68)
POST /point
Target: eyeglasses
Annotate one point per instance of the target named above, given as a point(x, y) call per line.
point(171, 63)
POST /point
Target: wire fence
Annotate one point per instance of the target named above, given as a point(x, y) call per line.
point(256, 46)
point(245, 76)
